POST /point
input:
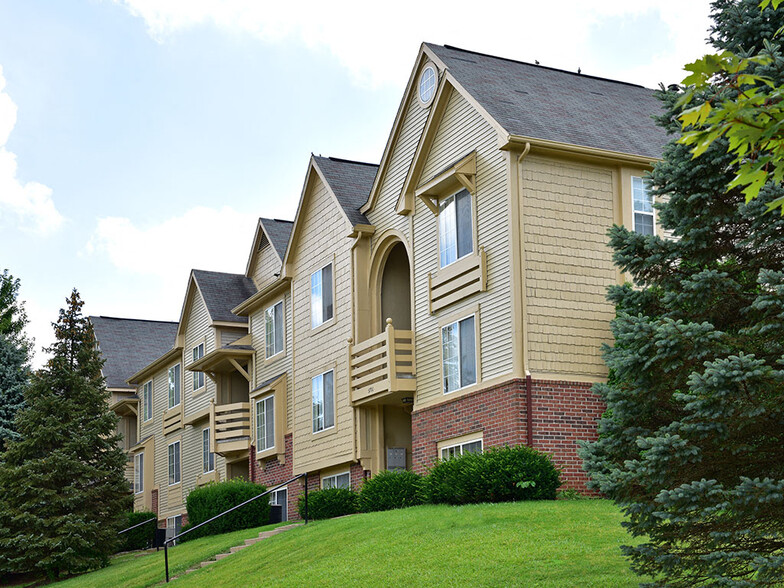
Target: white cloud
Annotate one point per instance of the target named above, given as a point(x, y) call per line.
point(376, 42)
point(29, 203)
point(202, 237)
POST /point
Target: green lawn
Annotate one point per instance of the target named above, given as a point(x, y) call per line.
point(564, 543)
point(131, 571)
point(560, 543)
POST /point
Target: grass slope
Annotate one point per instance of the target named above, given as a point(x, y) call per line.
point(130, 571)
point(563, 543)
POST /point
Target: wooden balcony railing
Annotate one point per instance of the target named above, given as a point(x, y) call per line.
point(229, 428)
point(382, 369)
point(172, 419)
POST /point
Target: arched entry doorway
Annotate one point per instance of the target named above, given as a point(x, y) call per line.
point(395, 289)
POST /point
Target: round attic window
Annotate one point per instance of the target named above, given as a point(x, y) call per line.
point(427, 85)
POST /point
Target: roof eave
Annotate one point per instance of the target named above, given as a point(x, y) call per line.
point(147, 370)
point(520, 142)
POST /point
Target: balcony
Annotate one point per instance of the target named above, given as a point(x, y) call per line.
point(382, 369)
point(230, 429)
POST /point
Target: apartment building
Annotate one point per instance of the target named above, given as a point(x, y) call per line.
point(449, 299)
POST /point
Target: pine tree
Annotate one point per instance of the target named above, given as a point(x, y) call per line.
point(15, 351)
point(62, 484)
point(692, 444)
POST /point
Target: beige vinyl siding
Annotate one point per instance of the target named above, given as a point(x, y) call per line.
point(265, 266)
point(322, 240)
point(383, 215)
point(566, 209)
point(462, 130)
point(197, 330)
point(282, 363)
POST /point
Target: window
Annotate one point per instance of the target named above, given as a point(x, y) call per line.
point(427, 85)
point(461, 448)
point(173, 527)
point(458, 354)
point(174, 386)
point(643, 206)
point(323, 402)
point(321, 296)
point(273, 328)
point(138, 473)
point(198, 377)
point(265, 423)
point(207, 456)
point(147, 393)
point(174, 463)
point(337, 481)
point(455, 232)
point(279, 498)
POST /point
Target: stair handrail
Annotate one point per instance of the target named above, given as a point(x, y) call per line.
point(233, 508)
point(144, 522)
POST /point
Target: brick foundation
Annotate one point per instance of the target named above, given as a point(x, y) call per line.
point(563, 413)
point(274, 472)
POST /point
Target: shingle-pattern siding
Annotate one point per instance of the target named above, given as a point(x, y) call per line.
point(566, 210)
point(555, 105)
point(222, 292)
point(351, 182)
point(127, 345)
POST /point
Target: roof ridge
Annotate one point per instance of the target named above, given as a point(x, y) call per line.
point(277, 220)
point(216, 272)
point(566, 71)
point(341, 160)
point(118, 318)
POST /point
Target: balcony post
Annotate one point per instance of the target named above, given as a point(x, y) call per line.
point(212, 426)
point(350, 371)
point(391, 361)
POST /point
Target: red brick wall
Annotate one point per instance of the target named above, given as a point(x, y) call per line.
point(154, 500)
point(563, 413)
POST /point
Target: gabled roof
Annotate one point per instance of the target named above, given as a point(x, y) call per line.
point(222, 292)
point(278, 232)
point(561, 106)
point(128, 345)
point(351, 182)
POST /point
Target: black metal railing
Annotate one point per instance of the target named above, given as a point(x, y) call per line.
point(131, 528)
point(233, 508)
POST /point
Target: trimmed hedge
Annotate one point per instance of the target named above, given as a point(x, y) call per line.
point(140, 537)
point(210, 500)
point(498, 475)
point(329, 503)
point(391, 489)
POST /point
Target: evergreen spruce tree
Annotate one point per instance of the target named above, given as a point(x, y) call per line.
point(692, 444)
point(62, 484)
point(15, 351)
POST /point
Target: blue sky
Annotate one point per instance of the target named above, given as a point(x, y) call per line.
point(142, 138)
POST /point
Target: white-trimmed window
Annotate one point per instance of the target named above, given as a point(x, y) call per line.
point(198, 377)
point(461, 448)
point(173, 527)
point(455, 228)
point(342, 480)
point(138, 473)
point(265, 423)
point(174, 463)
point(147, 394)
point(323, 401)
point(174, 385)
point(207, 456)
point(458, 354)
point(642, 199)
point(321, 308)
point(273, 329)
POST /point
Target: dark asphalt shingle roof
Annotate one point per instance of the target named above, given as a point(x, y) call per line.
point(128, 345)
point(351, 182)
point(555, 105)
point(222, 292)
point(278, 231)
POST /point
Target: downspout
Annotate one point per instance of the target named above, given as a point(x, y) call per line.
point(529, 410)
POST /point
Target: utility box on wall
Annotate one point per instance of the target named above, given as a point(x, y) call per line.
point(396, 458)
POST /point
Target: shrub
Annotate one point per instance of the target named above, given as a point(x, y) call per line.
point(329, 503)
point(499, 475)
point(387, 490)
point(210, 500)
point(141, 537)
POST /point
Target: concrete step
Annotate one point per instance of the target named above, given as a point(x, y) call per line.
point(222, 556)
point(237, 548)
